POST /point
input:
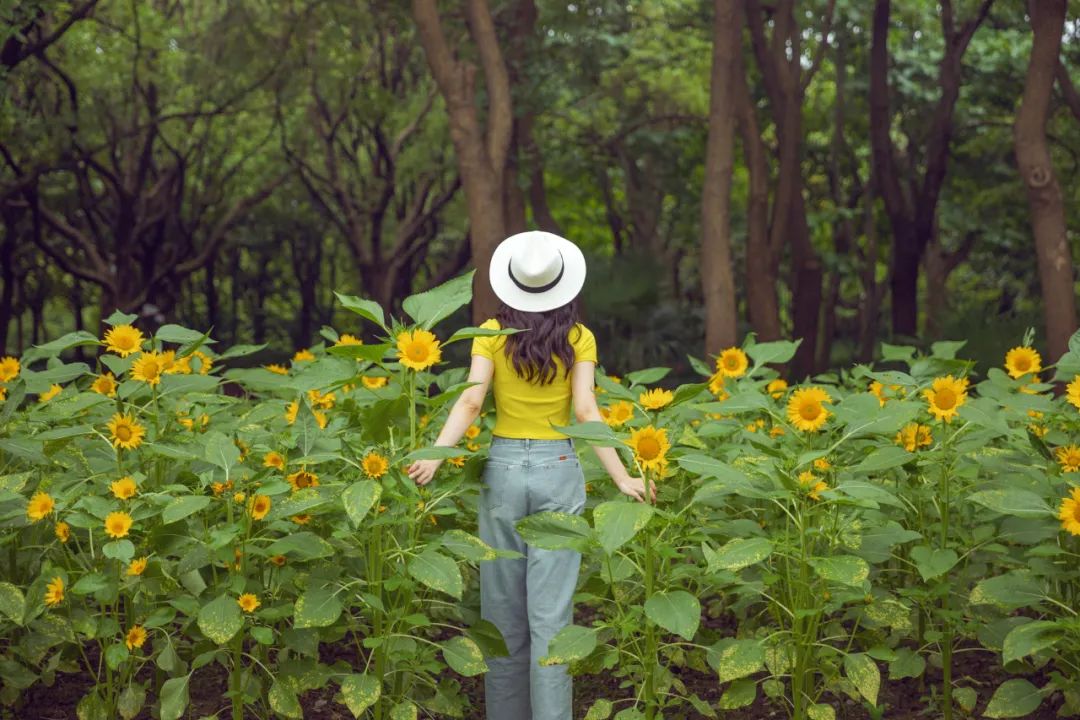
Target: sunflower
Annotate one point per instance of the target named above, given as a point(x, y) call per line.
point(1022, 360)
point(418, 349)
point(472, 432)
point(62, 531)
point(777, 388)
point(618, 413)
point(321, 400)
point(117, 524)
point(1069, 458)
point(178, 366)
point(945, 397)
point(814, 486)
point(823, 464)
point(301, 519)
point(913, 436)
point(291, 411)
point(49, 394)
point(137, 566)
point(372, 382)
point(650, 447)
point(3, 392)
point(303, 355)
point(716, 387)
point(1069, 512)
point(656, 399)
point(274, 460)
point(205, 362)
point(732, 363)
point(135, 638)
point(348, 339)
point(472, 446)
point(54, 592)
point(248, 602)
point(40, 506)
point(458, 461)
point(124, 488)
point(123, 340)
point(259, 506)
point(278, 560)
point(1073, 391)
point(9, 368)
point(777, 431)
point(126, 432)
point(303, 479)
point(277, 369)
point(149, 368)
point(104, 385)
point(239, 497)
point(805, 409)
point(375, 465)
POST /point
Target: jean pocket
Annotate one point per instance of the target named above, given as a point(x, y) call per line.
point(493, 490)
point(564, 486)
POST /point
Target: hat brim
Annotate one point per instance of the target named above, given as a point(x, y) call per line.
point(568, 287)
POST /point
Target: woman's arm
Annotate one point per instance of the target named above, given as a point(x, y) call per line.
point(466, 409)
point(586, 410)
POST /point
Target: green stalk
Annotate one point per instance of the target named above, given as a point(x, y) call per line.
point(235, 684)
point(375, 569)
point(946, 635)
point(649, 660)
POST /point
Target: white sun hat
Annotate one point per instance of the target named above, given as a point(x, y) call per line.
point(537, 271)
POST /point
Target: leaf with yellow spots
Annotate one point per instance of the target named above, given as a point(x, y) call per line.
point(437, 571)
point(863, 672)
point(600, 710)
point(359, 498)
point(464, 656)
point(843, 569)
point(676, 611)
point(220, 619)
point(571, 643)
point(403, 711)
point(617, 522)
point(283, 701)
point(468, 547)
point(821, 712)
point(317, 607)
point(360, 692)
point(733, 659)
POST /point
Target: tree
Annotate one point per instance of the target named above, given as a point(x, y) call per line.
point(911, 197)
point(717, 276)
point(481, 148)
point(1037, 171)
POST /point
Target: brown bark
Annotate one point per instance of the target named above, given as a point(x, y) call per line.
point(1037, 171)
point(940, 263)
point(717, 276)
point(911, 202)
point(481, 152)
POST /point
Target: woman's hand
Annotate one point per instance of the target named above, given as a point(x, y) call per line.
point(634, 487)
point(423, 471)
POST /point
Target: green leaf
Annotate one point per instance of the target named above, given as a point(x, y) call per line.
point(571, 643)
point(66, 342)
point(1014, 698)
point(843, 569)
point(367, 309)
point(301, 546)
point(220, 619)
point(360, 692)
point(116, 654)
point(90, 707)
point(1013, 501)
point(617, 522)
point(869, 493)
point(779, 351)
point(464, 656)
point(676, 611)
point(404, 710)
point(122, 550)
point(433, 453)
point(180, 507)
point(647, 376)
point(12, 602)
point(733, 659)
point(367, 353)
point(468, 547)
point(908, 664)
point(966, 698)
point(317, 607)
point(600, 710)
point(884, 458)
point(1010, 591)
point(593, 432)
point(283, 700)
point(131, 701)
point(614, 389)
point(120, 318)
point(740, 553)
point(359, 498)
point(739, 694)
point(1030, 638)
point(181, 335)
point(947, 349)
point(820, 711)
point(437, 571)
point(221, 450)
point(174, 698)
point(428, 308)
point(863, 672)
point(556, 531)
point(935, 562)
point(468, 333)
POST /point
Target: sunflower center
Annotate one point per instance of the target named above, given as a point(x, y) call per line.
point(810, 410)
point(417, 352)
point(1023, 364)
point(123, 432)
point(1076, 512)
point(945, 399)
point(1072, 458)
point(648, 448)
point(731, 363)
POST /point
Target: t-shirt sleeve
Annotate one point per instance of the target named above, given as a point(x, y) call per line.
point(584, 345)
point(485, 346)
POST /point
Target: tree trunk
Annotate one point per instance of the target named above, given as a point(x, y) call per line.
point(7, 278)
point(717, 276)
point(1037, 172)
point(481, 154)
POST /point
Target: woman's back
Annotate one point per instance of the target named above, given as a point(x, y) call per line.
point(527, 408)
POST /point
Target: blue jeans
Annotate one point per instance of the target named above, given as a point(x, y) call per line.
point(529, 599)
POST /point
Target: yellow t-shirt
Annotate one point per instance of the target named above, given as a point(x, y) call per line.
point(528, 409)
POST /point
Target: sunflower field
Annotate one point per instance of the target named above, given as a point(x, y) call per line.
point(816, 550)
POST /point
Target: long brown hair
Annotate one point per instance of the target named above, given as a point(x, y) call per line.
point(546, 336)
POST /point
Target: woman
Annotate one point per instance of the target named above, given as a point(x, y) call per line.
point(531, 467)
